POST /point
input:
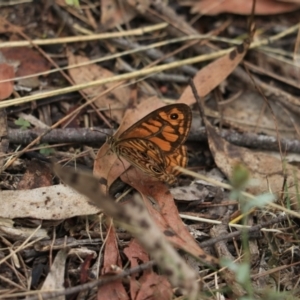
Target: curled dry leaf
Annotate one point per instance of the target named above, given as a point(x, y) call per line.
point(88, 255)
point(142, 286)
point(263, 7)
point(111, 253)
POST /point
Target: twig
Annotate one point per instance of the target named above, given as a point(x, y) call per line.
point(83, 287)
point(85, 38)
point(87, 136)
point(154, 54)
point(231, 235)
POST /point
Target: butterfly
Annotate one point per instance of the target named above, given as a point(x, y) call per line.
point(154, 144)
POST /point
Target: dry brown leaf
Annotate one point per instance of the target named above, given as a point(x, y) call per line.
point(88, 255)
point(114, 13)
point(154, 287)
point(7, 87)
point(37, 175)
point(29, 61)
point(267, 172)
point(140, 5)
point(149, 283)
point(136, 255)
point(114, 290)
point(249, 113)
point(214, 73)
point(115, 101)
point(263, 7)
point(111, 253)
point(164, 212)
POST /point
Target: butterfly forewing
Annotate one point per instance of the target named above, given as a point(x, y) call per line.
point(167, 127)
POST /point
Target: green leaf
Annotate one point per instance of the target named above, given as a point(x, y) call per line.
point(73, 3)
point(22, 123)
point(46, 151)
point(242, 274)
point(240, 177)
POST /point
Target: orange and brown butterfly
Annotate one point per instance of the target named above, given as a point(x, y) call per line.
point(154, 144)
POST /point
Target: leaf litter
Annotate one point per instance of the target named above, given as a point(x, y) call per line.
point(231, 100)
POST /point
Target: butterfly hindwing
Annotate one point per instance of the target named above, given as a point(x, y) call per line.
point(146, 156)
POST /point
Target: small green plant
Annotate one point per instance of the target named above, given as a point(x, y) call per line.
point(239, 180)
point(22, 123)
point(45, 150)
point(73, 3)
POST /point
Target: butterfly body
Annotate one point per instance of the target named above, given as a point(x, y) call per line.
point(154, 144)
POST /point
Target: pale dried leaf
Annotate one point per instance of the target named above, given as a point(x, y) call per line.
point(55, 278)
point(47, 203)
point(189, 193)
point(8, 229)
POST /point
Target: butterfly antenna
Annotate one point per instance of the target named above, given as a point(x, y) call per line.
point(199, 100)
point(96, 129)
